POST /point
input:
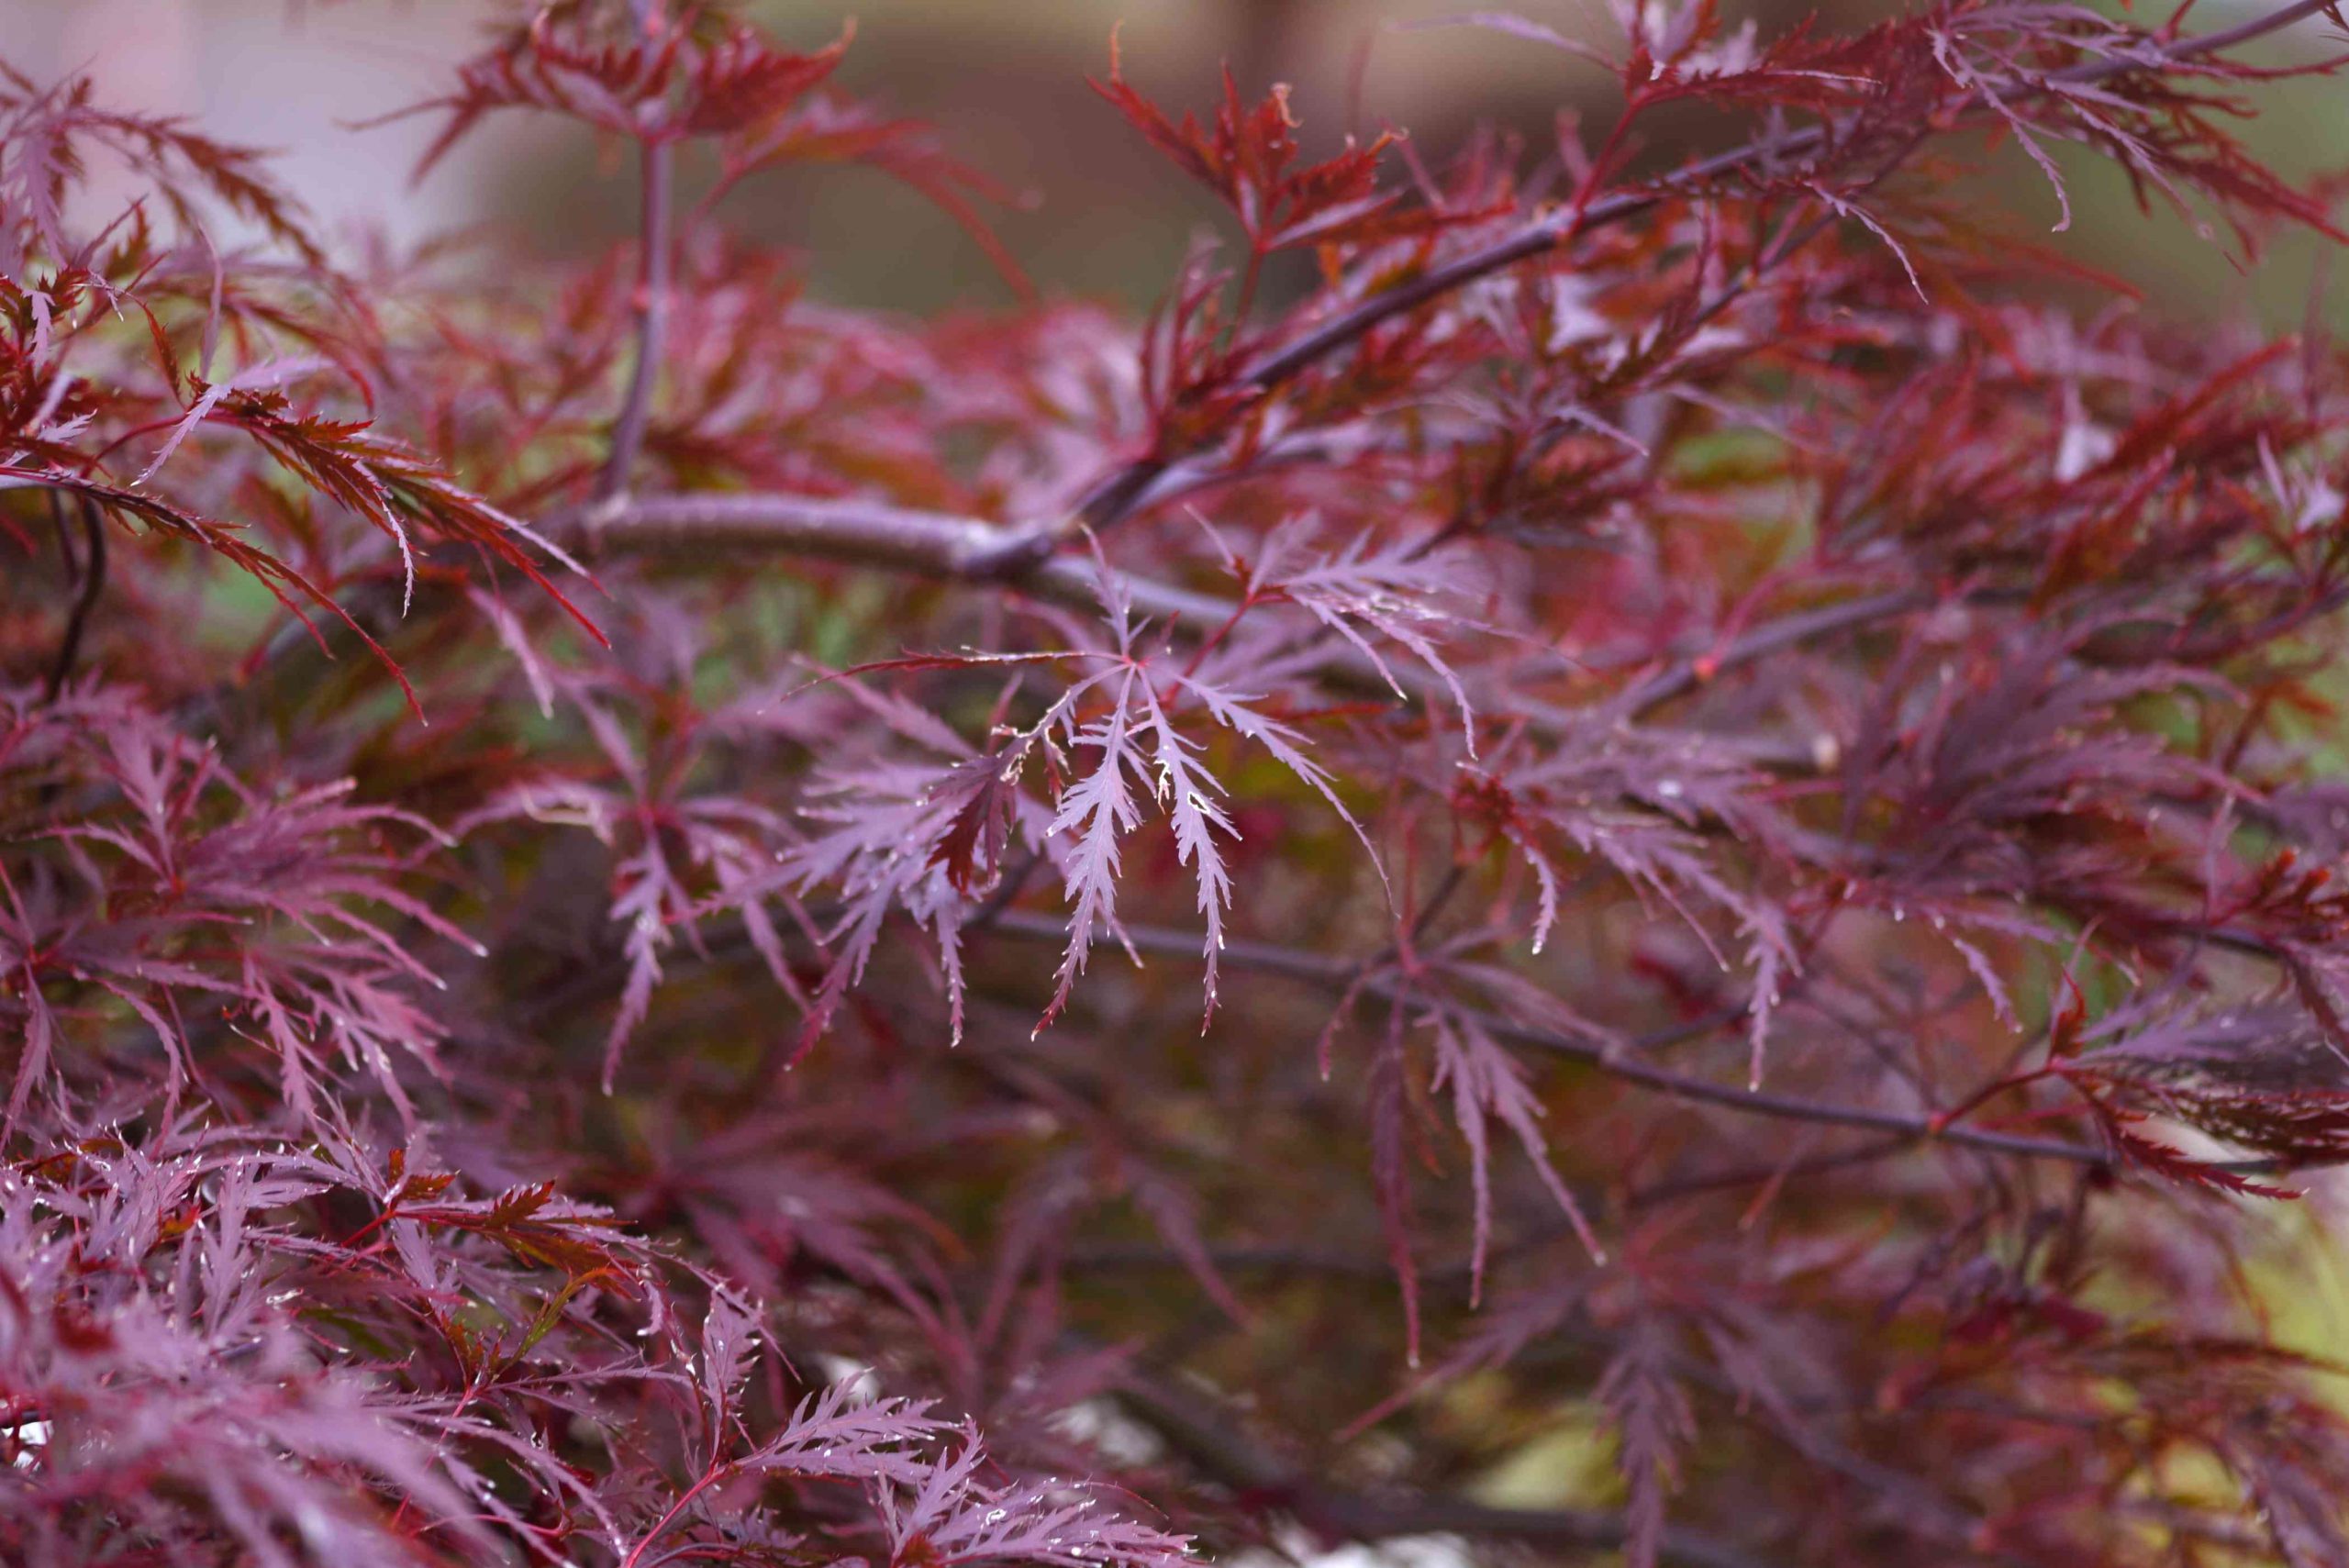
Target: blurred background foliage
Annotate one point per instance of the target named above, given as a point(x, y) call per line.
point(1098, 215)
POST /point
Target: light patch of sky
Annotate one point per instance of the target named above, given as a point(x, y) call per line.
point(298, 78)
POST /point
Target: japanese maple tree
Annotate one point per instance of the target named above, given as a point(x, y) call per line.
point(1578, 805)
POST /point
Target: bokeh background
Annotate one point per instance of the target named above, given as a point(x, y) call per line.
point(1005, 81)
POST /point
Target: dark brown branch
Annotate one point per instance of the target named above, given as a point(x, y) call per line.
point(1113, 498)
point(863, 533)
point(1695, 665)
point(1335, 974)
point(2183, 49)
point(1190, 1423)
point(959, 549)
point(85, 601)
point(1377, 1518)
point(1904, 1128)
point(1548, 232)
point(651, 303)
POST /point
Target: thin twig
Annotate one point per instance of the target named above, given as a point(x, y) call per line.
point(653, 298)
point(1686, 673)
point(929, 544)
point(1112, 499)
point(1336, 975)
point(1193, 1424)
point(94, 582)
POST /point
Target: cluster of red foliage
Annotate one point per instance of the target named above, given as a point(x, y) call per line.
point(1687, 674)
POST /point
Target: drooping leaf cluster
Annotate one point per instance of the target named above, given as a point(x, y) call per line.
point(1577, 809)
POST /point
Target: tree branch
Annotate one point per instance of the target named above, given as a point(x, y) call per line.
point(1190, 1423)
point(1332, 974)
point(1115, 497)
point(652, 302)
point(865, 533)
point(1697, 665)
point(94, 582)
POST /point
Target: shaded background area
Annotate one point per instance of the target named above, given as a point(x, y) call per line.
point(1005, 82)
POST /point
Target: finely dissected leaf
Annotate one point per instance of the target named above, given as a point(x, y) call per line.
point(1188, 795)
point(1653, 1422)
point(954, 1517)
point(1486, 1081)
point(1393, 591)
point(1096, 813)
point(1839, 707)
